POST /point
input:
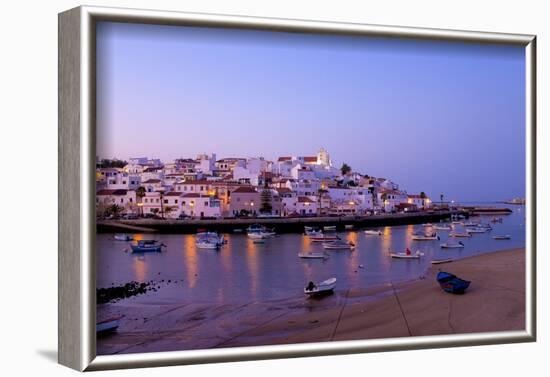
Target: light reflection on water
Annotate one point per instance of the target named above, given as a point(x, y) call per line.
point(243, 271)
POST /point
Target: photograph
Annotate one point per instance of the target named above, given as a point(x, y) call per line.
point(265, 187)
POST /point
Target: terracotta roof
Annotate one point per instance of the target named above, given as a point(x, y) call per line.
point(286, 158)
point(283, 190)
point(112, 192)
point(415, 196)
point(194, 195)
point(310, 159)
point(173, 193)
point(245, 189)
point(305, 199)
point(152, 169)
point(152, 181)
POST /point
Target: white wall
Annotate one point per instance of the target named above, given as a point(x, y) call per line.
point(29, 82)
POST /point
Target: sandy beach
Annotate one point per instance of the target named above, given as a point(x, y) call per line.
point(495, 301)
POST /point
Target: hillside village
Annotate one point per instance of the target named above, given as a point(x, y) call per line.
point(207, 187)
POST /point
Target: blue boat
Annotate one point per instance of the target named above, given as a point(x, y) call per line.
point(452, 284)
point(143, 246)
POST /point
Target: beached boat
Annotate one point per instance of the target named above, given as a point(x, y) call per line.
point(451, 284)
point(406, 255)
point(442, 227)
point(373, 232)
point(144, 246)
point(339, 245)
point(123, 237)
point(324, 238)
point(322, 287)
point(108, 325)
point(460, 234)
point(425, 236)
point(441, 261)
point(502, 237)
point(452, 245)
point(313, 255)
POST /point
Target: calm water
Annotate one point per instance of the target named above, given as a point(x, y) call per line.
point(243, 271)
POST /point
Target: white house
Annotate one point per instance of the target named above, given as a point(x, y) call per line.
point(419, 201)
point(306, 206)
point(389, 199)
point(125, 199)
point(199, 205)
point(172, 204)
point(152, 184)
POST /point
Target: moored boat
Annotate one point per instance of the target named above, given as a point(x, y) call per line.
point(206, 244)
point(322, 287)
point(108, 325)
point(441, 227)
point(143, 246)
point(451, 284)
point(477, 230)
point(452, 245)
point(425, 236)
point(260, 235)
point(324, 238)
point(406, 255)
point(339, 245)
point(329, 228)
point(123, 237)
point(371, 232)
point(313, 255)
point(502, 237)
point(460, 234)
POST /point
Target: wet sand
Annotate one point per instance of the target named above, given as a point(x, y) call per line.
point(495, 301)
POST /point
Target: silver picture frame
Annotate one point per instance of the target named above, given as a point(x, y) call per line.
point(77, 224)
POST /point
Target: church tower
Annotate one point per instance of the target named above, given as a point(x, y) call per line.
point(323, 158)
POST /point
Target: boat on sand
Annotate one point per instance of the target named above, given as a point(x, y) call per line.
point(325, 286)
point(451, 284)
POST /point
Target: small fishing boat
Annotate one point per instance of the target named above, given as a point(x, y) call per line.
point(324, 238)
point(209, 240)
point(309, 231)
point(108, 325)
point(339, 245)
point(260, 235)
point(143, 246)
point(329, 228)
point(442, 227)
point(502, 237)
point(452, 284)
point(313, 255)
point(471, 224)
point(373, 232)
point(460, 234)
point(452, 245)
point(123, 237)
point(322, 287)
point(407, 255)
point(425, 236)
point(206, 244)
point(476, 230)
point(441, 261)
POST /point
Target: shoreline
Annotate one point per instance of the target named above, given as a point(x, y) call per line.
point(282, 224)
point(494, 302)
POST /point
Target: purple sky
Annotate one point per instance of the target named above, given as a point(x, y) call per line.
point(438, 117)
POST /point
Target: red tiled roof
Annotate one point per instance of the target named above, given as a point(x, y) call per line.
point(304, 199)
point(173, 193)
point(286, 158)
point(245, 189)
point(112, 192)
point(415, 196)
point(310, 159)
point(194, 195)
point(152, 181)
point(284, 190)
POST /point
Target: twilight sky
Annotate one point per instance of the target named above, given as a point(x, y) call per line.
point(439, 117)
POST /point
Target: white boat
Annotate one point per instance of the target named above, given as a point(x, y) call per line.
point(502, 237)
point(313, 255)
point(459, 234)
point(439, 261)
point(309, 231)
point(123, 237)
point(425, 237)
point(339, 245)
point(324, 238)
point(470, 224)
point(476, 230)
point(373, 232)
point(449, 245)
point(329, 228)
point(143, 246)
point(322, 287)
point(109, 324)
point(205, 244)
point(416, 255)
point(260, 235)
point(457, 223)
point(442, 227)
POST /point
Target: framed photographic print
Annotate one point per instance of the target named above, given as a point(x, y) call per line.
point(237, 188)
